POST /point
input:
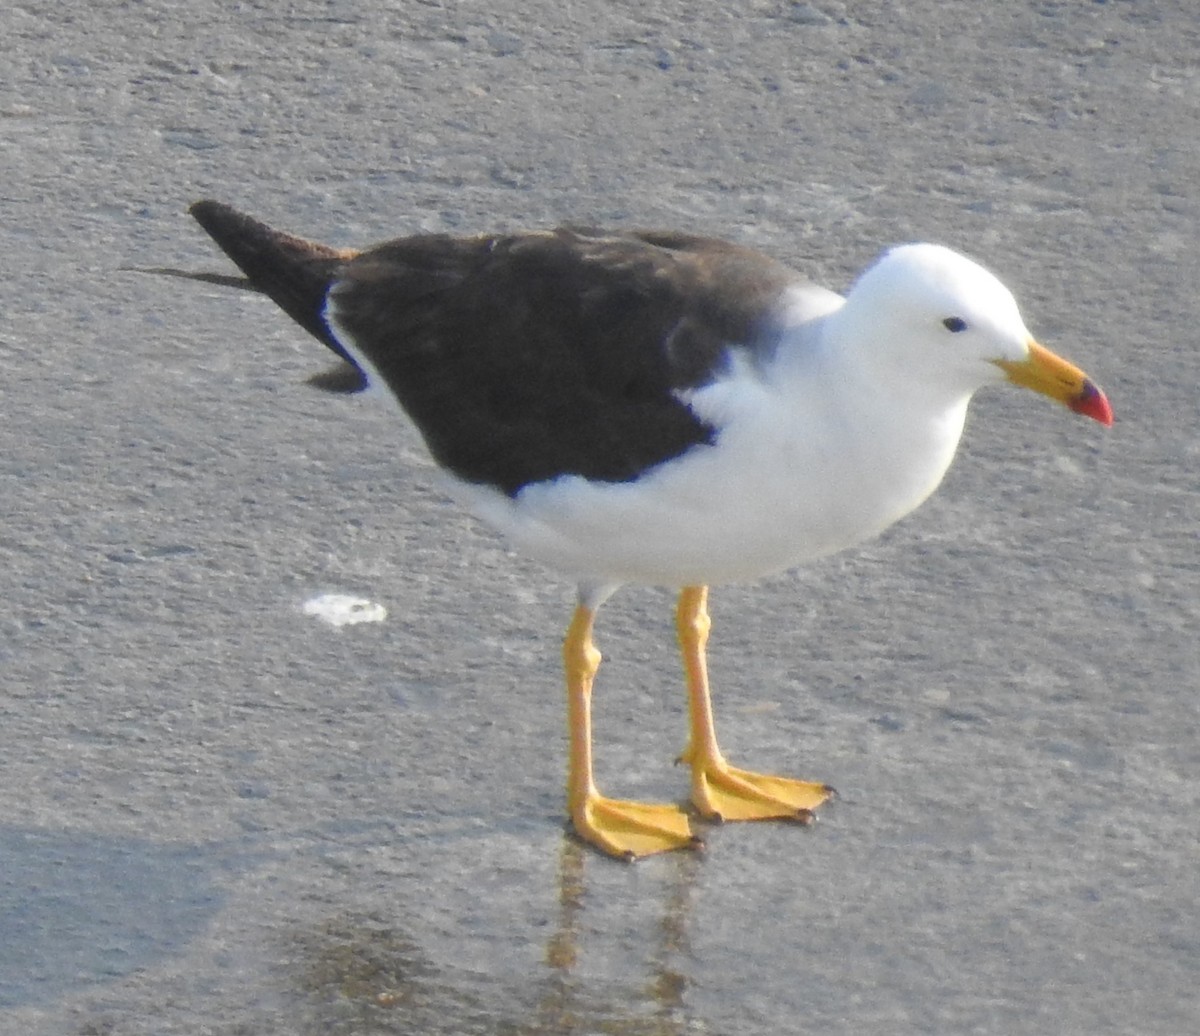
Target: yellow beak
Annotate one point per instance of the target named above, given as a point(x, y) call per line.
point(1053, 376)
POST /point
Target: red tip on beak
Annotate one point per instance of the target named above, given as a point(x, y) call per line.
point(1093, 403)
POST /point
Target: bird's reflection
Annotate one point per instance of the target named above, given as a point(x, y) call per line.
point(568, 1004)
point(365, 975)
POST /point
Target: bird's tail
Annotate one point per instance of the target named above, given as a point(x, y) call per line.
point(294, 273)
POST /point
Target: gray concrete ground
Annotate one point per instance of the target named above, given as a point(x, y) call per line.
point(219, 815)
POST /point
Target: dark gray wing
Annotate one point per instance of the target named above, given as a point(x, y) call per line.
point(526, 357)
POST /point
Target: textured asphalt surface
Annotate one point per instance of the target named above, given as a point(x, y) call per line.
point(219, 815)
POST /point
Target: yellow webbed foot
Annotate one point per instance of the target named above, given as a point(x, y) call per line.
point(723, 792)
point(719, 791)
point(632, 829)
point(618, 827)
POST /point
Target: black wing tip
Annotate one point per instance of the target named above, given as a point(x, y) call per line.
point(206, 207)
point(293, 271)
point(219, 219)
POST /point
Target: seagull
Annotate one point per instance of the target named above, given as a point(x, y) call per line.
point(655, 407)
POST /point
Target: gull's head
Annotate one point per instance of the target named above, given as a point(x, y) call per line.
point(936, 319)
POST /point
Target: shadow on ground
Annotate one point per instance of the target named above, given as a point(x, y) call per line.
point(77, 908)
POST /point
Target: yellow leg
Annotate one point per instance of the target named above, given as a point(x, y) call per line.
point(620, 828)
point(720, 791)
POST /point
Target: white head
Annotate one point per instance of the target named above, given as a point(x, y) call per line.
point(931, 320)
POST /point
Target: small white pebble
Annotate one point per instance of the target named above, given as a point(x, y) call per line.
point(344, 610)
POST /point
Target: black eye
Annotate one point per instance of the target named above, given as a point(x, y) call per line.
point(954, 324)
